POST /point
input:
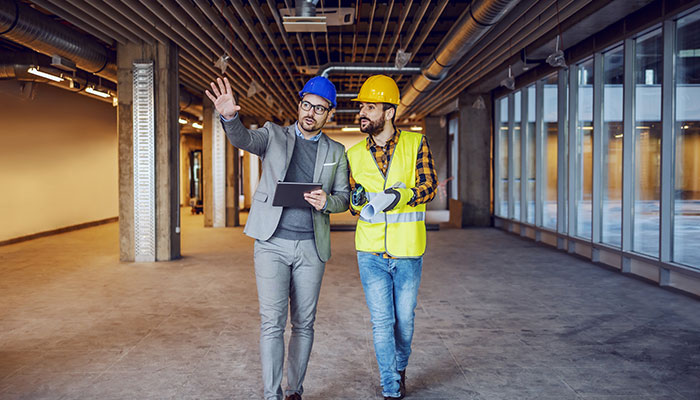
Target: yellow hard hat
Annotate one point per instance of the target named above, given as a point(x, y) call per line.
point(379, 89)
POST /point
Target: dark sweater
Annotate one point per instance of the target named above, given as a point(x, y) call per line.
point(297, 223)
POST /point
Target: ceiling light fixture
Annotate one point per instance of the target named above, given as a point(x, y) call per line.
point(197, 125)
point(96, 92)
point(402, 58)
point(416, 128)
point(305, 17)
point(35, 71)
point(183, 121)
point(557, 58)
point(509, 82)
point(253, 88)
point(350, 129)
point(221, 63)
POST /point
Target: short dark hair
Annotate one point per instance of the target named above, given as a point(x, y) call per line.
point(386, 106)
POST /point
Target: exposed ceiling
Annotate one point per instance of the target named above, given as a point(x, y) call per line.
point(252, 34)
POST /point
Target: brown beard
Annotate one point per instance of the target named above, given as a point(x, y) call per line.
point(374, 128)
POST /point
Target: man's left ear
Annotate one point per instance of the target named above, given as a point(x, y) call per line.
point(331, 114)
point(390, 115)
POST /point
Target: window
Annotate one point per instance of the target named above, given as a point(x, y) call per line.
point(517, 100)
point(530, 135)
point(584, 151)
point(647, 143)
point(611, 212)
point(550, 141)
point(502, 208)
point(686, 224)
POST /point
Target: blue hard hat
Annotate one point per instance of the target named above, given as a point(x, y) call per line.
point(320, 86)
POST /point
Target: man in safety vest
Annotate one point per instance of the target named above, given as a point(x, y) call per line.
point(392, 176)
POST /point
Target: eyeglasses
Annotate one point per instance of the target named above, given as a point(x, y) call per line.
point(318, 109)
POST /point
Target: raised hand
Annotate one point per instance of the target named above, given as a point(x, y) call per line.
point(223, 98)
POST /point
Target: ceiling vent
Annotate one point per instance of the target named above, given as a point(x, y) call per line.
point(306, 18)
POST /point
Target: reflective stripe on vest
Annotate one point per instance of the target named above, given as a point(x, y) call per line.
point(395, 218)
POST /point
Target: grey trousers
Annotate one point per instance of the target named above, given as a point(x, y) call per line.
point(288, 273)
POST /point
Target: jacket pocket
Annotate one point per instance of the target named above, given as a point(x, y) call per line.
point(260, 196)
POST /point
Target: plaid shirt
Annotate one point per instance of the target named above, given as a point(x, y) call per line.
point(426, 177)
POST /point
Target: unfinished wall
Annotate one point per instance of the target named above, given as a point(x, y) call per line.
point(58, 160)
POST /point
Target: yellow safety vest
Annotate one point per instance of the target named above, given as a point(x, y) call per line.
point(399, 232)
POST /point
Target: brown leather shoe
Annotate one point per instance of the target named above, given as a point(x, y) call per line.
point(295, 396)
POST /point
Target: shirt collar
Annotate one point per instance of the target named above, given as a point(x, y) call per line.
point(392, 141)
point(301, 135)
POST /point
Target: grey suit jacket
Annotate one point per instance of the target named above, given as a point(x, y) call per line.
point(275, 144)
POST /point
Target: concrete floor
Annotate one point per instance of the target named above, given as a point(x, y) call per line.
point(498, 318)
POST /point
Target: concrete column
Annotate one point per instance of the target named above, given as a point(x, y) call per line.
point(167, 145)
point(435, 130)
point(232, 188)
point(475, 154)
point(208, 188)
point(189, 143)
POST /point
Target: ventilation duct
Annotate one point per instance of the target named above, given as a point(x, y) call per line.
point(305, 19)
point(28, 27)
point(305, 8)
point(469, 28)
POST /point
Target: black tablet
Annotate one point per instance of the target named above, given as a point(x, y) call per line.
point(291, 194)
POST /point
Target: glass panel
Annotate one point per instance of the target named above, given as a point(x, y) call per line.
point(531, 154)
point(516, 156)
point(502, 209)
point(549, 163)
point(584, 151)
point(613, 80)
point(686, 224)
point(647, 143)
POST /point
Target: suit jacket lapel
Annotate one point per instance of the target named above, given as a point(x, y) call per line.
point(320, 156)
point(291, 137)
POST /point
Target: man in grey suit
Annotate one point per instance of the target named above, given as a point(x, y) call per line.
point(292, 244)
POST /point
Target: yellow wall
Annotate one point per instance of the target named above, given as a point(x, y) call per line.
point(58, 160)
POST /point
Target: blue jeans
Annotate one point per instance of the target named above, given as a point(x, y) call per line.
point(391, 289)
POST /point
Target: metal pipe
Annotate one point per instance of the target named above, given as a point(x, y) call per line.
point(334, 68)
point(30, 28)
point(74, 20)
point(470, 27)
point(536, 26)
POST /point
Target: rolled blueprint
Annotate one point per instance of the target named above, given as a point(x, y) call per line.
point(376, 205)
